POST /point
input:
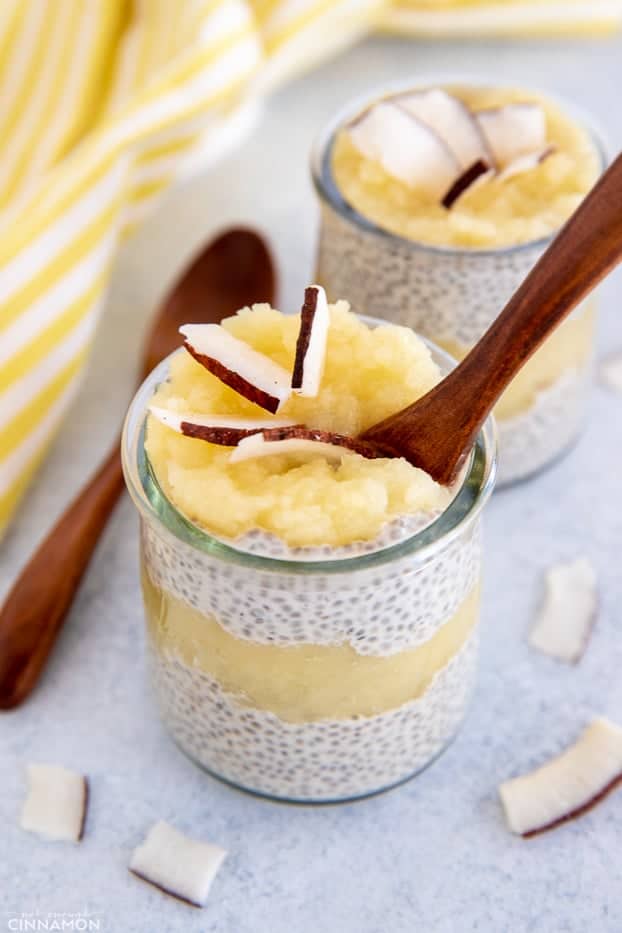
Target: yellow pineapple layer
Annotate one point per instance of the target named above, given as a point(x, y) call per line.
point(569, 347)
point(369, 374)
point(302, 683)
point(499, 213)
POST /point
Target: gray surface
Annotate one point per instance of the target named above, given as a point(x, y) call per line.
point(433, 855)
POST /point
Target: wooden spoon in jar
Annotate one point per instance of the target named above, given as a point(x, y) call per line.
point(233, 271)
point(436, 432)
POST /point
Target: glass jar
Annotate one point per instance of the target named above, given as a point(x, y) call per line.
point(310, 680)
point(452, 295)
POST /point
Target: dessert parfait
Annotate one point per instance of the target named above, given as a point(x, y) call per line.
point(436, 203)
point(312, 602)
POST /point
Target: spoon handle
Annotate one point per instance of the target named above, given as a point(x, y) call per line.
point(436, 431)
point(582, 254)
point(35, 608)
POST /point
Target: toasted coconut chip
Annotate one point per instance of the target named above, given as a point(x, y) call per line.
point(567, 616)
point(450, 119)
point(304, 442)
point(476, 174)
point(568, 785)
point(514, 130)
point(525, 163)
point(311, 343)
point(178, 865)
point(408, 149)
point(217, 429)
point(611, 372)
point(251, 374)
point(56, 804)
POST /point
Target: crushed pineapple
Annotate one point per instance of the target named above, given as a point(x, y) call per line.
point(369, 374)
point(524, 208)
point(568, 348)
point(304, 683)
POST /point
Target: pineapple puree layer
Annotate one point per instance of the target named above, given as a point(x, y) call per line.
point(369, 374)
point(568, 348)
point(302, 683)
point(499, 213)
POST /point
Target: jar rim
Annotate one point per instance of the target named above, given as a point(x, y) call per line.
point(329, 193)
point(154, 506)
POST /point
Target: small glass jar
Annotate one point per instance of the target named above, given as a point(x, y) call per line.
point(310, 680)
point(452, 295)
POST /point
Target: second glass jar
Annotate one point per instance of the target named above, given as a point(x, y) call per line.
point(452, 295)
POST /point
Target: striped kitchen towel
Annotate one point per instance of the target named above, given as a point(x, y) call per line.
point(103, 104)
point(455, 18)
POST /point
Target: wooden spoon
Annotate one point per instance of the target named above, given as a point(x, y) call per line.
point(233, 271)
point(437, 431)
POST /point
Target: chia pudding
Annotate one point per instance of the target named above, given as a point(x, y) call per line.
point(312, 625)
point(395, 248)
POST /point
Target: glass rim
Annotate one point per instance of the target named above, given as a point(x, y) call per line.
point(478, 483)
point(329, 193)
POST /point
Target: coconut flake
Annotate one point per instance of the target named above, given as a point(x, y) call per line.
point(311, 343)
point(216, 429)
point(525, 163)
point(451, 119)
point(568, 785)
point(177, 864)
point(408, 149)
point(443, 147)
point(474, 176)
point(513, 131)
point(303, 442)
point(249, 373)
point(56, 804)
point(611, 372)
point(568, 613)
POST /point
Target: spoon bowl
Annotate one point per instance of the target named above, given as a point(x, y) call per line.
point(231, 272)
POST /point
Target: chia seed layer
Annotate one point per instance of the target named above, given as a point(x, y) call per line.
point(378, 611)
point(447, 295)
point(317, 761)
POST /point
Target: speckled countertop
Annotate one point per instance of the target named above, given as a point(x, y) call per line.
point(433, 855)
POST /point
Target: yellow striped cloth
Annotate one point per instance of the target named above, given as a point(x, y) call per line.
point(103, 103)
point(502, 17)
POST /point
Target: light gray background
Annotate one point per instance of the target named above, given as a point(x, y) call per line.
point(433, 855)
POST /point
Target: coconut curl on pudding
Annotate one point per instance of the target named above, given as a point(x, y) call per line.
point(239, 448)
point(472, 166)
